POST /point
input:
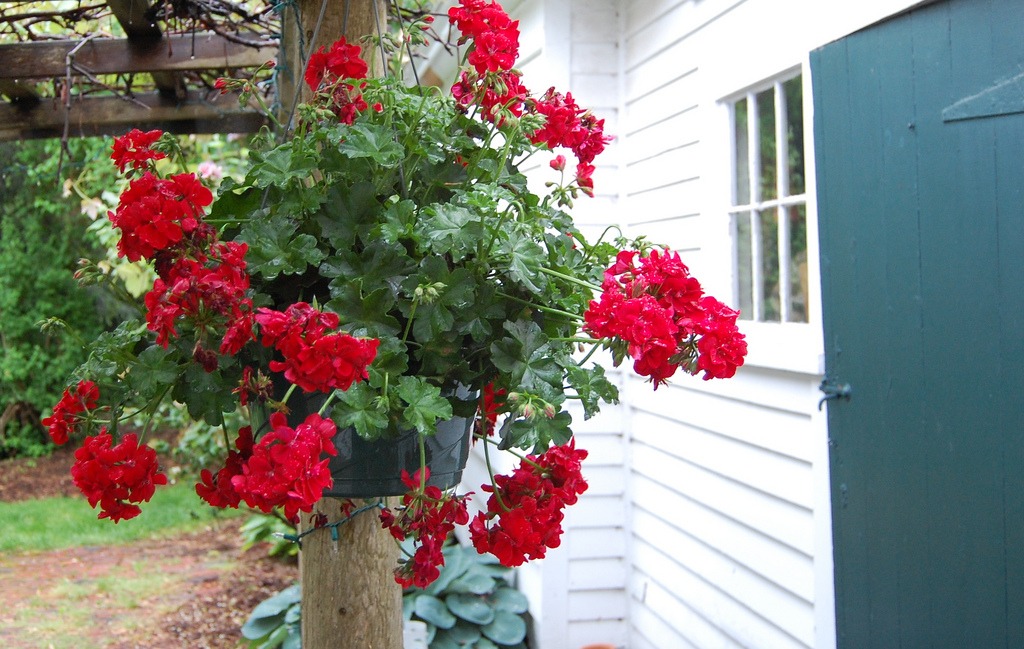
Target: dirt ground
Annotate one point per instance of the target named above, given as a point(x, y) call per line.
point(190, 591)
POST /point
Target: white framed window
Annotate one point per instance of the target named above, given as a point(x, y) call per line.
point(768, 209)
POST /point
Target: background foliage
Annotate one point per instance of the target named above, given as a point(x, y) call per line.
point(41, 241)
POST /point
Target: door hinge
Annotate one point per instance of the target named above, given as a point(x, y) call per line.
point(834, 391)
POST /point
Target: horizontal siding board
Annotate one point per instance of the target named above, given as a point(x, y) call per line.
point(779, 431)
point(594, 58)
point(782, 565)
point(775, 518)
point(594, 511)
point(664, 168)
point(590, 632)
point(783, 477)
point(648, 204)
point(597, 604)
point(595, 543)
point(594, 21)
point(736, 620)
point(596, 92)
point(663, 621)
point(597, 574)
point(670, 36)
point(602, 449)
point(764, 387)
point(679, 130)
point(653, 103)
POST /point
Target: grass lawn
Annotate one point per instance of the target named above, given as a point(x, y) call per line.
point(54, 523)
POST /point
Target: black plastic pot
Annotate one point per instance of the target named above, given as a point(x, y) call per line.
point(363, 469)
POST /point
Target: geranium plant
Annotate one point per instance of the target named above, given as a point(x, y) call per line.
point(390, 260)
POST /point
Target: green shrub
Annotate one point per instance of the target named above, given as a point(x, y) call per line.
point(41, 241)
point(276, 621)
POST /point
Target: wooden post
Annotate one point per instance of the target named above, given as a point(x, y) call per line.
point(349, 596)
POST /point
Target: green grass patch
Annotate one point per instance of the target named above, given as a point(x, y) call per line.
point(54, 523)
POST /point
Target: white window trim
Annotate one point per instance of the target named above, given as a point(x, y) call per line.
point(790, 346)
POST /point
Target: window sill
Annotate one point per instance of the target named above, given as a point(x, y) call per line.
point(792, 347)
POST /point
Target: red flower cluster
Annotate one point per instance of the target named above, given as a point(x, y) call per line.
point(330, 69)
point(427, 515)
point(495, 36)
point(660, 314)
point(133, 149)
point(492, 84)
point(316, 358)
point(217, 489)
point(496, 87)
point(200, 280)
point(524, 512)
point(284, 469)
point(116, 477)
point(155, 213)
point(208, 290)
point(569, 126)
point(63, 420)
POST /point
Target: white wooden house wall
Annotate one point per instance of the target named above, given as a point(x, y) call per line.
point(708, 522)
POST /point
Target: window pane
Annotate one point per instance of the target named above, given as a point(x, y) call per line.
point(744, 266)
point(766, 124)
point(795, 130)
point(798, 305)
point(742, 153)
point(769, 241)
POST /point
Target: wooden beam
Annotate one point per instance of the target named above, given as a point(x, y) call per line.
point(133, 16)
point(199, 113)
point(204, 51)
point(18, 91)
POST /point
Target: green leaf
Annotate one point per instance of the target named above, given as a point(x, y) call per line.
point(433, 610)
point(525, 260)
point(205, 394)
point(525, 355)
point(345, 212)
point(510, 600)
point(464, 635)
point(275, 248)
point(506, 628)
point(372, 141)
point(279, 166)
point(357, 407)
point(592, 387)
point(449, 228)
point(153, 371)
point(425, 405)
point(456, 562)
point(475, 581)
point(538, 433)
point(471, 608)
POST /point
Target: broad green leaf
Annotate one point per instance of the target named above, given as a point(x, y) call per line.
point(275, 249)
point(279, 166)
point(357, 407)
point(592, 387)
point(425, 404)
point(471, 608)
point(475, 581)
point(506, 628)
point(448, 228)
point(464, 634)
point(526, 356)
point(371, 141)
point(510, 600)
point(433, 610)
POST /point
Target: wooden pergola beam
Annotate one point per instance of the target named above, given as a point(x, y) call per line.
point(122, 56)
point(18, 91)
point(90, 116)
point(145, 33)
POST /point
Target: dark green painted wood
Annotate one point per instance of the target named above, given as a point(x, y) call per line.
point(921, 226)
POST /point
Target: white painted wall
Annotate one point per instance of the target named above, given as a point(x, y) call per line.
point(708, 519)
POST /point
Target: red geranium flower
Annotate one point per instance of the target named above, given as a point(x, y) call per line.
point(116, 477)
point(64, 419)
point(133, 149)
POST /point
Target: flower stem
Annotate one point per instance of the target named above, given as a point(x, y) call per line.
point(546, 309)
point(569, 278)
point(490, 472)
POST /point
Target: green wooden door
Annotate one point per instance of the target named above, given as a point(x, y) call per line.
point(919, 144)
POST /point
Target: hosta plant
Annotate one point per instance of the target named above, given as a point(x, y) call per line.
point(391, 258)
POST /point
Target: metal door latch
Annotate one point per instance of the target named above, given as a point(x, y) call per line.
point(834, 391)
